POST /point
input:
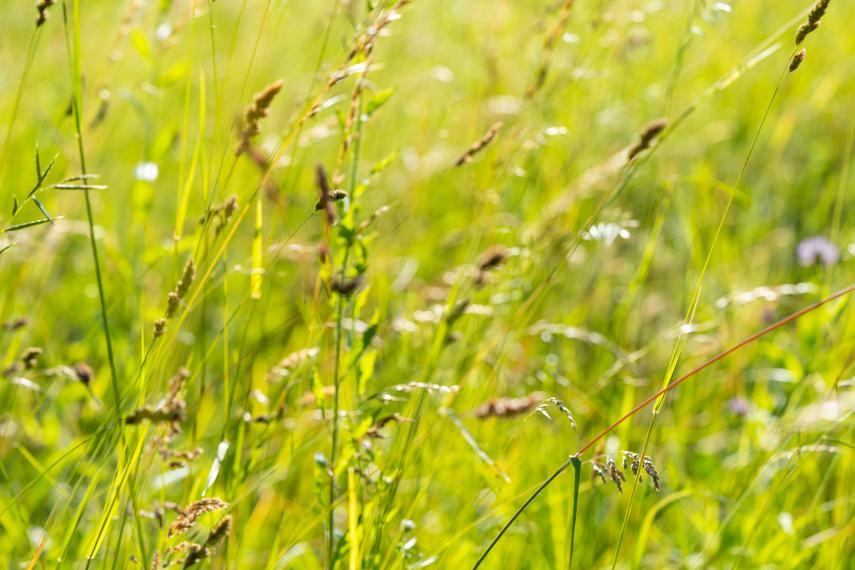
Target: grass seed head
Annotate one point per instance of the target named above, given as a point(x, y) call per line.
point(615, 474)
point(648, 135)
point(817, 11)
point(172, 302)
point(159, 327)
point(31, 356)
point(634, 461)
point(509, 407)
point(480, 144)
point(542, 410)
point(155, 415)
point(187, 277)
point(83, 372)
point(15, 324)
point(42, 7)
point(254, 112)
point(797, 59)
point(220, 532)
point(188, 517)
point(346, 286)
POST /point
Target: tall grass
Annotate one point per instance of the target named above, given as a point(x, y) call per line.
point(354, 284)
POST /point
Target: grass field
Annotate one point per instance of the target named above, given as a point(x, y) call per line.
point(427, 284)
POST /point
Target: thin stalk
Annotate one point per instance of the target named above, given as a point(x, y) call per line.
point(577, 474)
point(336, 386)
point(74, 61)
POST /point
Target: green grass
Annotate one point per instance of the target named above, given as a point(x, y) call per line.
point(351, 370)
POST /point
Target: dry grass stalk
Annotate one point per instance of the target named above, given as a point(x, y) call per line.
point(257, 110)
point(42, 7)
point(187, 518)
point(648, 135)
point(509, 407)
point(817, 11)
point(479, 145)
point(548, 47)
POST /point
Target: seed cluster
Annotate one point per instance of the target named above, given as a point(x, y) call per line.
point(254, 112)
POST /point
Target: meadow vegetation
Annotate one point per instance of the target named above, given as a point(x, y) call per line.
point(427, 284)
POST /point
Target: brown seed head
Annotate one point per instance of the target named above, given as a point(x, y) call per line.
point(509, 407)
point(797, 60)
point(220, 532)
point(159, 327)
point(83, 372)
point(817, 11)
point(650, 132)
point(479, 145)
point(187, 277)
point(172, 302)
point(257, 110)
point(31, 356)
point(193, 512)
point(42, 7)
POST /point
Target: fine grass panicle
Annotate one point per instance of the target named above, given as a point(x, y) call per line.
point(252, 115)
point(634, 461)
point(171, 410)
point(480, 144)
point(543, 409)
point(189, 515)
point(609, 471)
point(174, 297)
point(817, 11)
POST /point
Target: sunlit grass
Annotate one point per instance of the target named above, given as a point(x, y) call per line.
point(352, 285)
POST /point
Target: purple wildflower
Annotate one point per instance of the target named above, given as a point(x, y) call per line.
point(739, 406)
point(817, 248)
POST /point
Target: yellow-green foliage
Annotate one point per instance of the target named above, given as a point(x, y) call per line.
point(388, 264)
